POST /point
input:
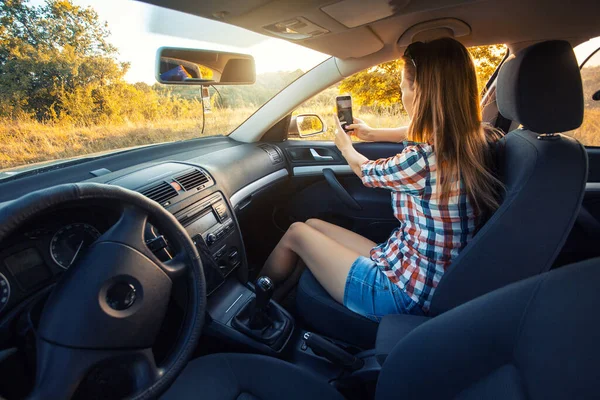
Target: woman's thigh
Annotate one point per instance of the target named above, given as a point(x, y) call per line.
point(343, 236)
point(328, 260)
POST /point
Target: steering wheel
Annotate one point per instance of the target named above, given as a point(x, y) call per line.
point(110, 304)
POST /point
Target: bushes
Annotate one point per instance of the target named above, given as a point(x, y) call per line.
point(116, 103)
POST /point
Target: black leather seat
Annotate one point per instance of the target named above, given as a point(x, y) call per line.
point(535, 339)
point(247, 377)
point(545, 181)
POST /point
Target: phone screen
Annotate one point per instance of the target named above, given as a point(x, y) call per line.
point(344, 110)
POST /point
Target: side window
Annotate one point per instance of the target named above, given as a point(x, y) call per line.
point(589, 132)
point(376, 97)
point(387, 113)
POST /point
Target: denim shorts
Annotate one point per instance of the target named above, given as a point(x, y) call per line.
point(370, 293)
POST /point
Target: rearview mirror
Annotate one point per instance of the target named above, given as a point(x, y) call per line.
point(203, 67)
point(305, 125)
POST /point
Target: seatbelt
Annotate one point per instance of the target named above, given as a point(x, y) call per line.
point(502, 123)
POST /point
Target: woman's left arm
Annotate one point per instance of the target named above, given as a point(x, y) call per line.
point(344, 143)
point(405, 172)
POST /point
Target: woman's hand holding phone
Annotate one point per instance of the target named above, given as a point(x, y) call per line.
point(360, 129)
point(343, 142)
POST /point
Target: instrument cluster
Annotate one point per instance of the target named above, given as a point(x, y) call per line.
point(36, 255)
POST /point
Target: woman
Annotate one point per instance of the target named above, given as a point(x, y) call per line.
point(441, 185)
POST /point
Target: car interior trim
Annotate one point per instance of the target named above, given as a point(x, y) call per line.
point(592, 186)
point(318, 169)
point(255, 186)
point(233, 304)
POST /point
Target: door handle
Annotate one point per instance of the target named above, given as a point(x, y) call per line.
point(318, 157)
point(339, 190)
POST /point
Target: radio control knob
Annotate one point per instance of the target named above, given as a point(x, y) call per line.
point(211, 238)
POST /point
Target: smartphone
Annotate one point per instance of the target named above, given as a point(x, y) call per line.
point(344, 110)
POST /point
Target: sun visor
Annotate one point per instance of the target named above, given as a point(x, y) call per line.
point(354, 43)
point(353, 13)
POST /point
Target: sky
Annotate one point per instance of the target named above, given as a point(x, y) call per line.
point(139, 29)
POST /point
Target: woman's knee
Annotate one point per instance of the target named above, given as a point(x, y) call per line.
point(314, 222)
point(296, 232)
point(296, 229)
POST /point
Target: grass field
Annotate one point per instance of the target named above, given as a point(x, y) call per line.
point(589, 132)
point(26, 142)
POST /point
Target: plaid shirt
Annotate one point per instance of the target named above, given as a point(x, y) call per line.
point(431, 232)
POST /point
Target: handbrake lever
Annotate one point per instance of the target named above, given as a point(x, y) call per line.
point(338, 356)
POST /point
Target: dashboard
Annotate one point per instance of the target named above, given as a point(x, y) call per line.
point(200, 182)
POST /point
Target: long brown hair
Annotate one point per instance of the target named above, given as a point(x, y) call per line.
point(447, 114)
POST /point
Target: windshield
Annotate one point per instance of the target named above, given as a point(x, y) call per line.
point(77, 77)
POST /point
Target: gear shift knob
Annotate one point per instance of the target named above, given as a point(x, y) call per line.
point(264, 288)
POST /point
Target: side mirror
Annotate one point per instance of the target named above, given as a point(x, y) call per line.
point(203, 67)
point(305, 125)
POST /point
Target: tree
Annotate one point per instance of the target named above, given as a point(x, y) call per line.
point(376, 87)
point(379, 87)
point(487, 59)
point(49, 51)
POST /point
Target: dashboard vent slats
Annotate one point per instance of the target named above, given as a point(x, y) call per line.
point(192, 179)
point(272, 152)
point(161, 193)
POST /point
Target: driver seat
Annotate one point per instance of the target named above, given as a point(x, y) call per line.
point(534, 339)
point(544, 176)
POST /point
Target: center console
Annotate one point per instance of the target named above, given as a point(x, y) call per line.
point(213, 231)
point(247, 317)
point(242, 314)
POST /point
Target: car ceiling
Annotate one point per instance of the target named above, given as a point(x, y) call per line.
point(357, 28)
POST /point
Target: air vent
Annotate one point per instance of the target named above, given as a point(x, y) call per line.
point(192, 179)
point(272, 152)
point(161, 193)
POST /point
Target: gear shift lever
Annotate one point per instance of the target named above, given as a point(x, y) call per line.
point(262, 321)
point(264, 289)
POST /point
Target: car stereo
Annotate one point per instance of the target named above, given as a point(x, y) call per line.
point(209, 224)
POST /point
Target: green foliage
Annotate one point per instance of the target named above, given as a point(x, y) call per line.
point(50, 53)
point(377, 87)
point(487, 59)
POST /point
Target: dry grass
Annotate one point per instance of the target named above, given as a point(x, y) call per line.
point(589, 132)
point(379, 120)
point(26, 142)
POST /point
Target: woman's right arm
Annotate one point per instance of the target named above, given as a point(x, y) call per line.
point(365, 132)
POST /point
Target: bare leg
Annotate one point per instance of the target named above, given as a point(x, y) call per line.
point(328, 260)
point(282, 260)
point(343, 236)
point(291, 276)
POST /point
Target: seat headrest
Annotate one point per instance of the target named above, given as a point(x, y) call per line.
point(540, 87)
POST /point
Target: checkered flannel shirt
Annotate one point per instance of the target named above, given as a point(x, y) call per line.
point(431, 232)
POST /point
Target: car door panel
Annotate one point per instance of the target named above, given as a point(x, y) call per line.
point(316, 197)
